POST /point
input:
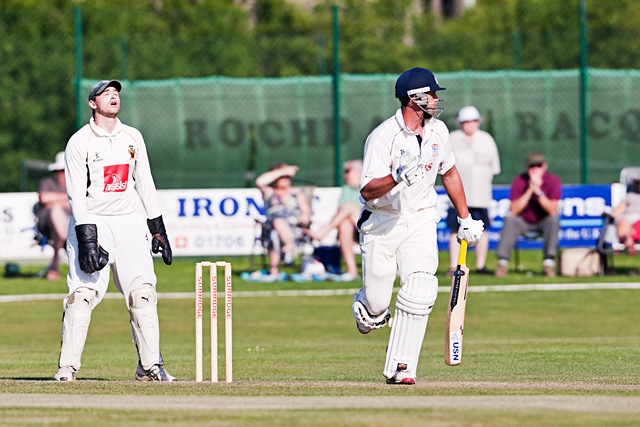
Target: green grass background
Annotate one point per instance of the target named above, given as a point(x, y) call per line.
point(309, 346)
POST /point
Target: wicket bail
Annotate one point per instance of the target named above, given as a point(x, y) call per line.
point(213, 287)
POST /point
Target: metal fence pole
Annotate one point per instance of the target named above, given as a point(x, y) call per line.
point(78, 36)
point(336, 100)
point(584, 140)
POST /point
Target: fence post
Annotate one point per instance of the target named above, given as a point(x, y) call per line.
point(124, 57)
point(337, 131)
point(79, 103)
point(516, 38)
point(584, 139)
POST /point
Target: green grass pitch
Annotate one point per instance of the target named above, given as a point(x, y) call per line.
point(567, 357)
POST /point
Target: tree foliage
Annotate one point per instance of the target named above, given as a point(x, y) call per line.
point(162, 39)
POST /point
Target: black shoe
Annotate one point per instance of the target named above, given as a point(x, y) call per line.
point(156, 373)
point(483, 271)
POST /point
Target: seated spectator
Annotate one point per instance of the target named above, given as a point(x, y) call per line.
point(286, 207)
point(626, 215)
point(345, 219)
point(534, 207)
point(54, 212)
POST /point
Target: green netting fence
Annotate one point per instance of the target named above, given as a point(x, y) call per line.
point(220, 132)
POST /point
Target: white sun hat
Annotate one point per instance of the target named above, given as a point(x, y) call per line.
point(467, 114)
point(58, 165)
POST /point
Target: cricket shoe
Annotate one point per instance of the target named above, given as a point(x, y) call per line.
point(365, 322)
point(402, 376)
point(155, 373)
point(65, 374)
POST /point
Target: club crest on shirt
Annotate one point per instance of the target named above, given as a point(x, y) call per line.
point(435, 150)
point(132, 151)
point(116, 178)
point(97, 157)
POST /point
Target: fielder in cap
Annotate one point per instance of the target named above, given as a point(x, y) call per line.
point(402, 158)
point(108, 178)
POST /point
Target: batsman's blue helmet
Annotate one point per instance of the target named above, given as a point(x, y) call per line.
point(416, 80)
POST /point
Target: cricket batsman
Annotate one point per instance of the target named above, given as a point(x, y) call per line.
point(402, 158)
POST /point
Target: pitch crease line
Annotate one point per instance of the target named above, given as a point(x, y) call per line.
point(339, 292)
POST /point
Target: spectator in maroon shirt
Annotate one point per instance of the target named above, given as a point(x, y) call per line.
point(534, 199)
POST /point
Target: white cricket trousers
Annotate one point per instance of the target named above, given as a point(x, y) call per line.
point(392, 245)
point(128, 241)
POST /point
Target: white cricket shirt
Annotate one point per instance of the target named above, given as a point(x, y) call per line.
point(108, 174)
point(382, 152)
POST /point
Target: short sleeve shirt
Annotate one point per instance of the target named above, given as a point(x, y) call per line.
point(349, 194)
point(382, 153)
point(534, 212)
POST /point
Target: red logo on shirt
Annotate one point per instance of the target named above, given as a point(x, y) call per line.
point(116, 178)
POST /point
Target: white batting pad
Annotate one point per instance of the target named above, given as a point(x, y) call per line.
point(145, 327)
point(75, 325)
point(414, 303)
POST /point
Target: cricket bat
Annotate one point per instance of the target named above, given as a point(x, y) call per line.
point(456, 309)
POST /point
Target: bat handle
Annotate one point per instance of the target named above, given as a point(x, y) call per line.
point(462, 257)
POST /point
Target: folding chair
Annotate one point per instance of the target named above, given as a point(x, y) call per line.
point(529, 236)
point(604, 244)
point(628, 174)
point(266, 238)
point(608, 242)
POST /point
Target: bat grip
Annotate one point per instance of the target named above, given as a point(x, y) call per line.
point(462, 257)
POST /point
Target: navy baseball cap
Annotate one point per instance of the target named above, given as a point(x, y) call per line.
point(416, 78)
point(100, 87)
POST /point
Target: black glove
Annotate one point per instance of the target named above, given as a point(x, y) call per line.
point(159, 241)
point(91, 256)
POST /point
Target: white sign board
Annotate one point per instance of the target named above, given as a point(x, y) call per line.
point(200, 222)
point(223, 221)
point(17, 228)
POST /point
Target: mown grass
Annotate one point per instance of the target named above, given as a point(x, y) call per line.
point(573, 342)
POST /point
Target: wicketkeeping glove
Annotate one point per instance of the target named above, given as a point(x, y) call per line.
point(411, 169)
point(91, 256)
point(159, 240)
point(470, 230)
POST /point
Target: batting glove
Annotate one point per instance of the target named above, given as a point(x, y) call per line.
point(470, 230)
point(411, 170)
point(91, 256)
point(159, 240)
